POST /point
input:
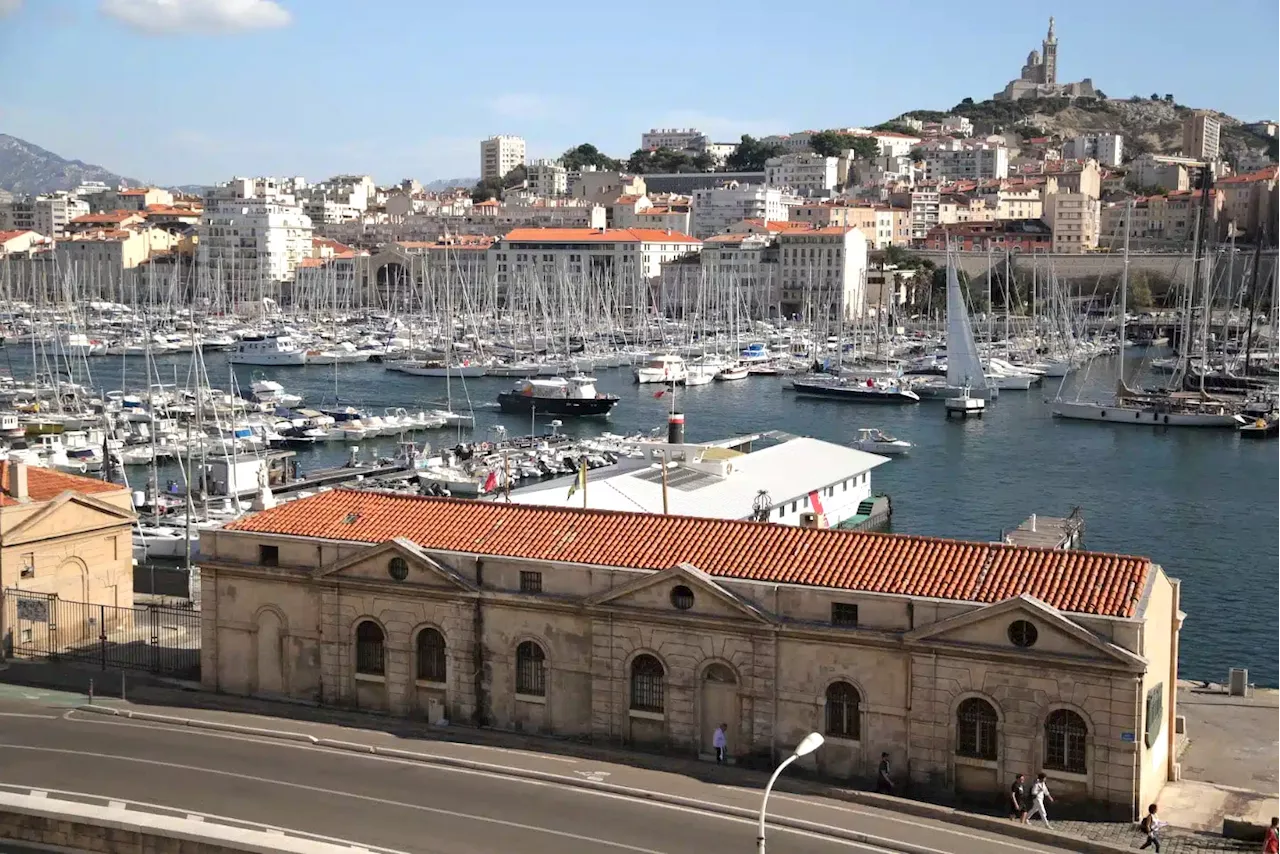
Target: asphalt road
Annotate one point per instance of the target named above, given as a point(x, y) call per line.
point(406, 805)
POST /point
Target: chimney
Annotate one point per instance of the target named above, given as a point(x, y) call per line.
point(675, 428)
point(17, 487)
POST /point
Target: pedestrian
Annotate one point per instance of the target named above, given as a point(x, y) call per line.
point(1272, 843)
point(1039, 791)
point(1018, 799)
point(720, 741)
point(1151, 825)
point(884, 781)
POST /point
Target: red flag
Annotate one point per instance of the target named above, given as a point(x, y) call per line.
point(660, 393)
point(491, 481)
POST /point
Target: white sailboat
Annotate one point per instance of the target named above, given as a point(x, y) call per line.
point(965, 374)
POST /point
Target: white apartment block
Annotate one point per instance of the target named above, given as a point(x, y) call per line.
point(717, 209)
point(1075, 219)
point(676, 139)
point(548, 179)
point(926, 205)
point(805, 174)
point(46, 215)
point(794, 143)
point(820, 270)
point(720, 151)
point(499, 155)
point(252, 238)
point(967, 164)
point(1106, 148)
point(895, 144)
point(957, 125)
point(626, 256)
point(138, 198)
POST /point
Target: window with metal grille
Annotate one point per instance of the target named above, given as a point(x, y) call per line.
point(531, 670)
point(843, 718)
point(976, 725)
point(530, 582)
point(1065, 736)
point(647, 677)
point(1023, 633)
point(370, 649)
point(432, 666)
point(844, 614)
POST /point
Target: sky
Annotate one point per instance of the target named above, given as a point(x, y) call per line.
point(197, 91)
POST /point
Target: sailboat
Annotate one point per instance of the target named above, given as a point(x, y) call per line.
point(965, 375)
point(1136, 407)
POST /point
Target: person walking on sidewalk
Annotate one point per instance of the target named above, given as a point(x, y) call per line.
point(1151, 825)
point(1039, 791)
point(1271, 845)
point(720, 742)
point(1018, 799)
point(884, 781)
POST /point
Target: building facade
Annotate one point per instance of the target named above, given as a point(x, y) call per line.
point(499, 155)
point(745, 265)
point(1075, 221)
point(804, 174)
point(252, 233)
point(1106, 148)
point(1201, 134)
point(675, 139)
point(1039, 76)
point(47, 215)
point(965, 662)
point(548, 179)
point(969, 163)
point(1030, 236)
point(822, 272)
point(717, 209)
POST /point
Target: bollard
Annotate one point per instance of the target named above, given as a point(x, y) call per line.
point(91, 692)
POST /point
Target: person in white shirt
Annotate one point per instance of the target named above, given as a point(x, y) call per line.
point(720, 741)
point(1039, 791)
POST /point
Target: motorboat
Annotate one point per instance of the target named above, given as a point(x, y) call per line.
point(574, 396)
point(662, 368)
point(268, 351)
point(434, 368)
point(344, 353)
point(870, 391)
point(876, 441)
point(733, 372)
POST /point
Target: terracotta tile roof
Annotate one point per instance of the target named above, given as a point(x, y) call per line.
point(596, 235)
point(1085, 582)
point(6, 236)
point(778, 224)
point(45, 485)
point(112, 218)
point(1268, 174)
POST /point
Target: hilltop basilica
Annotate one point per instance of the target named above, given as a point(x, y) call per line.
point(1039, 77)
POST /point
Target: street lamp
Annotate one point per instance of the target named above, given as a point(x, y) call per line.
point(811, 742)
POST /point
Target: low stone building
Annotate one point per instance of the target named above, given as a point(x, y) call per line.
point(966, 662)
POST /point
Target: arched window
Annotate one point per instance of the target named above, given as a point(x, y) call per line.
point(1065, 735)
point(431, 657)
point(370, 649)
point(976, 724)
point(843, 719)
point(531, 670)
point(647, 678)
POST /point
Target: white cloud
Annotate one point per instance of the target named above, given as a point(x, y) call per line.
point(196, 16)
point(524, 105)
point(9, 7)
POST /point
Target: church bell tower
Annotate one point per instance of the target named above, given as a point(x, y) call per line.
point(1050, 56)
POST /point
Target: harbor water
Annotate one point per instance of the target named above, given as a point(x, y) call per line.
point(1201, 503)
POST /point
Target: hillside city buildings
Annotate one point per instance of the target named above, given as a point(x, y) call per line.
point(499, 155)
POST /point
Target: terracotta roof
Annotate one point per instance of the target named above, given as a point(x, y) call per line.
point(45, 485)
point(778, 224)
point(141, 192)
point(1085, 582)
point(596, 235)
point(6, 236)
point(111, 218)
point(1268, 174)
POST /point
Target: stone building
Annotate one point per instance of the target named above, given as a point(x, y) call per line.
point(1039, 77)
point(966, 662)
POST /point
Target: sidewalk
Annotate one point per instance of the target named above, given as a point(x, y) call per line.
point(541, 755)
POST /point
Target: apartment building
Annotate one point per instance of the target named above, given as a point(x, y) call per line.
point(628, 256)
point(110, 252)
point(254, 232)
point(804, 174)
point(673, 214)
point(746, 265)
point(717, 209)
point(602, 186)
point(47, 215)
point(967, 163)
point(822, 272)
point(1029, 236)
point(675, 139)
point(1014, 201)
point(1106, 148)
point(1164, 172)
point(1201, 133)
point(548, 179)
point(1074, 219)
point(926, 203)
point(499, 155)
point(109, 220)
point(21, 243)
point(1249, 203)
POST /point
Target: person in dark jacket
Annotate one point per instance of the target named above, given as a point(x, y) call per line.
point(884, 781)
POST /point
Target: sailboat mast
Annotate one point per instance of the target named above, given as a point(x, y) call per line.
point(1124, 289)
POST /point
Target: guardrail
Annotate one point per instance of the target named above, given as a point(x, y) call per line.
point(73, 821)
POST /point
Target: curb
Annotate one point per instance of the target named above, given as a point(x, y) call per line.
point(922, 810)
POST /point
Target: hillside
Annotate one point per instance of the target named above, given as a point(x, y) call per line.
point(1147, 125)
point(27, 168)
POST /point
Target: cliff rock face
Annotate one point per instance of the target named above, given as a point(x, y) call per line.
point(27, 168)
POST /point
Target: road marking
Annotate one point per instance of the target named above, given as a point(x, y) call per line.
point(194, 817)
point(451, 813)
point(39, 793)
point(28, 715)
point(117, 805)
point(593, 776)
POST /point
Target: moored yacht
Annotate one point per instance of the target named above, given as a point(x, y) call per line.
point(662, 368)
point(575, 396)
point(267, 350)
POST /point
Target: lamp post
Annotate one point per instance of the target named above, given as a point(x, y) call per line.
point(811, 742)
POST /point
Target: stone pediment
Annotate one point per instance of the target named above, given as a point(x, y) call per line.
point(69, 514)
point(654, 592)
point(375, 564)
point(1056, 634)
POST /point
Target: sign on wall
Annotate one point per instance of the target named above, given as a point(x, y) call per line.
point(33, 610)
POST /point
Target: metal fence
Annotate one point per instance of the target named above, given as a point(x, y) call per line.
point(158, 638)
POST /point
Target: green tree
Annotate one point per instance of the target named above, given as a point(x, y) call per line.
point(831, 143)
point(586, 155)
point(666, 160)
point(516, 177)
point(751, 154)
point(895, 127)
point(1139, 297)
point(967, 101)
point(489, 188)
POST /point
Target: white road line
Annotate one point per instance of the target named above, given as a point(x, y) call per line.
point(117, 805)
point(28, 715)
point(452, 813)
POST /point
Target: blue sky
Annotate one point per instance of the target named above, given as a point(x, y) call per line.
point(195, 91)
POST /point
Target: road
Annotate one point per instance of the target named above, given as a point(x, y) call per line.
point(414, 807)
